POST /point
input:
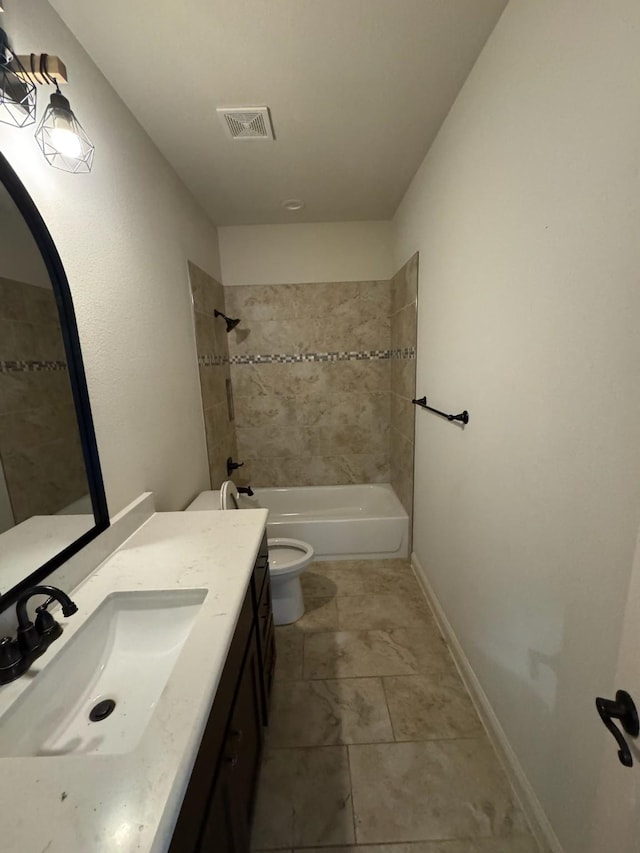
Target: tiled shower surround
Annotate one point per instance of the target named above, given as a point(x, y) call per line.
point(323, 377)
point(213, 364)
point(40, 448)
point(323, 420)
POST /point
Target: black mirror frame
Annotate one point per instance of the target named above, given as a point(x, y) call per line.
point(60, 284)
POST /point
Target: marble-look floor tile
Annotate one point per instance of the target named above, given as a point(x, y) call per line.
point(320, 614)
point(351, 654)
point(392, 580)
point(431, 790)
point(513, 844)
point(328, 579)
point(322, 713)
point(383, 612)
point(304, 799)
point(425, 707)
point(289, 653)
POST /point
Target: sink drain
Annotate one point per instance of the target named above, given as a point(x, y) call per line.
point(102, 710)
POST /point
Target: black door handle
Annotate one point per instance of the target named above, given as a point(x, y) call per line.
point(621, 708)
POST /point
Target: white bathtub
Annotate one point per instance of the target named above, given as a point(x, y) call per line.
point(341, 522)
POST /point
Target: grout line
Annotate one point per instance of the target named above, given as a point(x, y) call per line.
point(482, 737)
point(353, 810)
point(386, 699)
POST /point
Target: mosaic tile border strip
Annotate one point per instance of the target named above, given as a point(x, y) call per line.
point(32, 366)
point(212, 360)
point(299, 358)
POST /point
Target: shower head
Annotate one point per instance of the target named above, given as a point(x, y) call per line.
point(231, 323)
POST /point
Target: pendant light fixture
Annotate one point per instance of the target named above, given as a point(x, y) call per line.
point(17, 92)
point(61, 137)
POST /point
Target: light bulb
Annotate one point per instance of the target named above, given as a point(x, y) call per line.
point(66, 142)
point(61, 137)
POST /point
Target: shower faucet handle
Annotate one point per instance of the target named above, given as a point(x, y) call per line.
point(231, 465)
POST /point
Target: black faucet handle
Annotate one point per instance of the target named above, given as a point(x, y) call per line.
point(46, 626)
point(9, 653)
point(12, 661)
point(232, 466)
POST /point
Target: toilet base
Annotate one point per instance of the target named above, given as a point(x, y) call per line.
point(288, 604)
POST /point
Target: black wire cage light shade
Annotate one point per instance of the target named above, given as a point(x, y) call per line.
point(17, 92)
point(62, 139)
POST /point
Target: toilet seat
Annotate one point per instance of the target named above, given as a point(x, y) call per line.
point(288, 556)
point(229, 497)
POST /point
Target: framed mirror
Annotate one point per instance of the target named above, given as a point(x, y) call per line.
point(52, 500)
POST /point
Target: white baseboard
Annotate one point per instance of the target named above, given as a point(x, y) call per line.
point(538, 822)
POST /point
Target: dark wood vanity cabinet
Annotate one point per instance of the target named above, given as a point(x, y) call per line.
point(217, 808)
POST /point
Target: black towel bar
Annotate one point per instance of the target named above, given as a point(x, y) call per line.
point(463, 416)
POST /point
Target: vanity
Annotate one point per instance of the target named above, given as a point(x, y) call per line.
point(177, 769)
point(217, 808)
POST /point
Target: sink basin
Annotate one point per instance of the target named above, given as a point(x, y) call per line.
point(124, 653)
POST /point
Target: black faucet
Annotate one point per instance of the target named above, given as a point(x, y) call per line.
point(245, 490)
point(16, 656)
point(232, 466)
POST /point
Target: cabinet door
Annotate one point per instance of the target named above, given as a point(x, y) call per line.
point(219, 832)
point(228, 819)
point(245, 736)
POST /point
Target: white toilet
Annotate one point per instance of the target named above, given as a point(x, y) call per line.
point(288, 558)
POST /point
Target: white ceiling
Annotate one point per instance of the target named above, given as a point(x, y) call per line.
point(357, 90)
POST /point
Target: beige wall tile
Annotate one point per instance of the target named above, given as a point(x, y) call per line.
point(212, 340)
point(403, 327)
point(403, 377)
point(266, 442)
point(207, 293)
point(348, 439)
point(295, 301)
point(319, 470)
point(402, 415)
point(404, 285)
point(401, 469)
point(305, 377)
point(45, 478)
point(212, 384)
point(13, 305)
point(41, 306)
point(39, 439)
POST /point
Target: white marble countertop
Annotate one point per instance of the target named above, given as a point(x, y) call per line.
point(130, 802)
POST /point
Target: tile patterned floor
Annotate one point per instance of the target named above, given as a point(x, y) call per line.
point(374, 745)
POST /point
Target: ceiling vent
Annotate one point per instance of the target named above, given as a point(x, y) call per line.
point(246, 122)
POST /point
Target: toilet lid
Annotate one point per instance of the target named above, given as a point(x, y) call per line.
point(285, 554)
point(229, 497)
